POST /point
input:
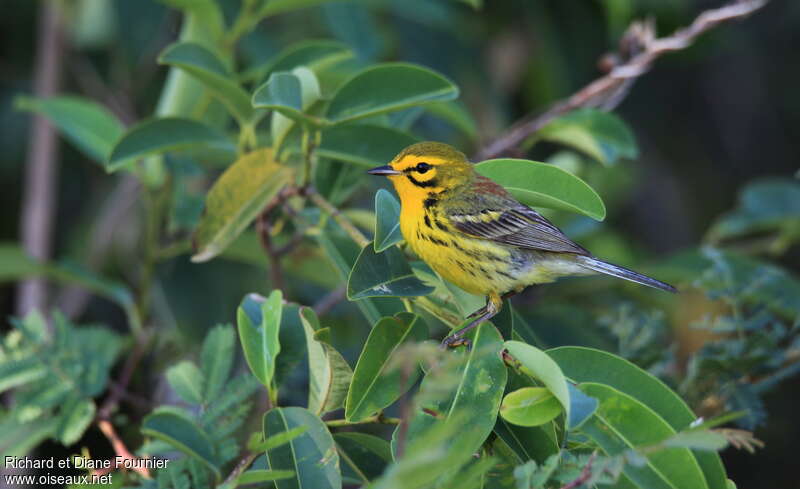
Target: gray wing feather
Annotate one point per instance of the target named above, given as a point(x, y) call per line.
point(519, 226)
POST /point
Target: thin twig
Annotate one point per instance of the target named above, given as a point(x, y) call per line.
point(342, 220)
point(586, 473)
point(609, 90)
point(39, 193)
point(121, 385)
point(120, 449)
point(263, 229)
point(329, 300)
point(243, 464)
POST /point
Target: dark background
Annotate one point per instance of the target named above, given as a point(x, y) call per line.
point(708, 120)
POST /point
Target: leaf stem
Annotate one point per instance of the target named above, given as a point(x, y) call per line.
point(344, 222)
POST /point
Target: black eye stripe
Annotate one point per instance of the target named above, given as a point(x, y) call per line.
point(428, 183)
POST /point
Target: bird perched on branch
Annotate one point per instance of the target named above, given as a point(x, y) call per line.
point(473, 233)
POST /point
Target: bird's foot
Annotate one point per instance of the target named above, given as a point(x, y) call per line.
point(454, 341)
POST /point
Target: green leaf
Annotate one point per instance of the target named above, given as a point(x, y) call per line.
point(467, 394)
point(235, 199)
point(187, 380)
point(697, 440)
point(581, 407)
point(157, 136)
point(255, 476)
point(388, 87)
point(374, 385)
point(277, 440)
point(456, 114)
point(635, 425)
point(206, 13)
point(14, 373)
point(537, 364)
point(764, 205)
point(16, 264)
point(75, 417)
point(428, 456)
point(387, 221)
point(530, 406)
point(203, 64)
point(274, 7)
point(19, 439)
point(86, 124)
point(289, 93)
point(315, 54)
point(362, 144)
point(337, 181)
point(528, 442)
point(601, 135)
point(282, 125)
point(329, 373)
point(543, 185)
point(364, 457)
point(178, 430)
point(259, 322)
point(384, 274)
point(342, 254)
point(216, 360)
point(312, 456)
point(590, 365)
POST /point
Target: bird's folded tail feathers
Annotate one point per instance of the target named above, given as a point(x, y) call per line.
point(622, 272)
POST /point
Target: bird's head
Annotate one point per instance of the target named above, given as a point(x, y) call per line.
point(427, 168)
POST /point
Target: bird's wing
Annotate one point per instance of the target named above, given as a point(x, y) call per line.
point(503, 219)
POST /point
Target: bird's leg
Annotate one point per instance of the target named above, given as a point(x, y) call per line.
point(485, 308)
point(493, 305)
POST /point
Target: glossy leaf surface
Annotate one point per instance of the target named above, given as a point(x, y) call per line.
point(235, 199)
point(383, 274)
point(374, 385)
point(388, 87)
point(312, 456)
point(543, 185)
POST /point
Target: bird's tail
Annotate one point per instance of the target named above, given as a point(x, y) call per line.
point(621, 272)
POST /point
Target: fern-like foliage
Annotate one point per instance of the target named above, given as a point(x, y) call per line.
point(54, 373)
point(216, 403)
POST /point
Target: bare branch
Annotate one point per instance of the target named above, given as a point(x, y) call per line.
point(120, 449)
point(586, 473)
point(38, 198)
point(639, 48)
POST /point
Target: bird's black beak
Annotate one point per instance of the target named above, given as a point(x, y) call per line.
point(384, 170)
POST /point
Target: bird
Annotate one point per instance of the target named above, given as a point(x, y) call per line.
point(476, 235)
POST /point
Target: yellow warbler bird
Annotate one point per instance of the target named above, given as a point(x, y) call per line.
point(473, 233)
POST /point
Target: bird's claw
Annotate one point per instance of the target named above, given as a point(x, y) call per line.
point(455, 341)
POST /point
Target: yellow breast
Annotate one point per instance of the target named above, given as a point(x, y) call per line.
point(475, 265)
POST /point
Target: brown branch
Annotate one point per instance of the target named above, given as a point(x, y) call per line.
point(241, 466)
point(264, 229)
point(638, 50)
point(120, 449)
point(586, 473)
point(121, 385)
point(39, 193)
point(329, 300)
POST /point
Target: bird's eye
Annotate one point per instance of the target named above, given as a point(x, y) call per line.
point(422, 167)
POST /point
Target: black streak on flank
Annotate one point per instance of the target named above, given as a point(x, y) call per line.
point(428, 221)
point(440, 225)
point(429, 202)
